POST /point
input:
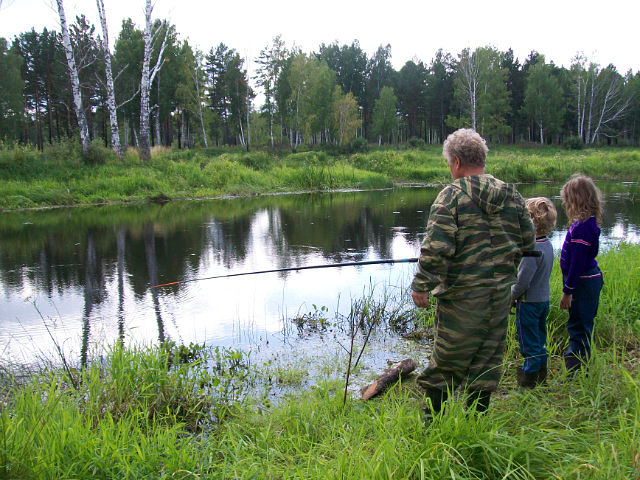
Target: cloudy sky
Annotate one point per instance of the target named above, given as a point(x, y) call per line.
point(606, 32)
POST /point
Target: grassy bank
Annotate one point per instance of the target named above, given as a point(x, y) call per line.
point(58, 176)
point(158, 413)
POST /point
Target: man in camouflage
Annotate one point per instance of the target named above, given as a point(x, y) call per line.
point(477, 230)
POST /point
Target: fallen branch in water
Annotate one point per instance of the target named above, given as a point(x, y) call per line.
point(389, 376)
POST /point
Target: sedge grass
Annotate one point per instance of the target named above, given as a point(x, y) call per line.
point(134, 418)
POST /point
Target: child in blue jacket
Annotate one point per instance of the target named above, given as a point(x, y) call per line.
point(530, 296)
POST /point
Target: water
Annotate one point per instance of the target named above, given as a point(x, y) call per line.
point(80, 278)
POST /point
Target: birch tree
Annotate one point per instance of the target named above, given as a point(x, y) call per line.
point(297, 80)
point(75, 82)
point(198, 82)
point(493, 101)
point(345, 115)
point(271, 61)
point(148, 75)
point(111, 98)
point(189, 91)
point(468, 81)
point(543, 100)
point(481, 90)
point(613, 102)
point(601, 99)
point(385, 115)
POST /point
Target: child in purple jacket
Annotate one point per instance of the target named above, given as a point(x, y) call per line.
point(581, 276)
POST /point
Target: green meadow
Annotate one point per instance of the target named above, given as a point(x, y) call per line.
point(59, 176)
point(179, 412)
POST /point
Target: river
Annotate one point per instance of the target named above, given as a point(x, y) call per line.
point(80, 278)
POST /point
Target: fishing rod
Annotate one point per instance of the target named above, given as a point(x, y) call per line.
point(528, 253)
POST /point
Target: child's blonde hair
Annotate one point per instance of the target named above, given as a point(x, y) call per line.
point(582, 199)
point(543, 214)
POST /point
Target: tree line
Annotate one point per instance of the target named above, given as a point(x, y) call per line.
point(156, 89)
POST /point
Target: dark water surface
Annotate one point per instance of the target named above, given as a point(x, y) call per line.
point(81, 277)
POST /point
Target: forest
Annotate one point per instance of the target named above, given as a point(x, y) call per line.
point(155, 89)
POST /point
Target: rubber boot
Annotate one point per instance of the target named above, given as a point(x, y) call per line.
point(437, 398)
point(542, 375)
point(479, 398)
point(572, 363)
point(526, 380)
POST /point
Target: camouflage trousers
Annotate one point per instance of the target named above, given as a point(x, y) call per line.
point(469, 343)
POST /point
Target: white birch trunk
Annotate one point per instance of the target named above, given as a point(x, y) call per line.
point(614, 106)
point(579, 126)
point(182, 142)
point(584, 107)
point(241, 136)
point(470, 75)
point(196, 78)
point(297, 116)
point(248, 115)
point(146, 80)
point(157, 122)
point(204, 133)
point(591, 102)
point(75, 82)
point(271, 127)
point(541, 134)
point(111, 99)
point(145, 84)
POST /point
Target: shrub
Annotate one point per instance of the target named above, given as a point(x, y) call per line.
point(309, 158)
point(98, 154)
point(66, 150)
point(358, 145)
point(573, 143)
point(131, 156)
point(257, 160)
point(416, 142)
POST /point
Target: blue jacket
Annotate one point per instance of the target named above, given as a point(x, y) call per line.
point(534, 273)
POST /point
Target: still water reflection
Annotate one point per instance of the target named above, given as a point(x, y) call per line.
point(81, 277)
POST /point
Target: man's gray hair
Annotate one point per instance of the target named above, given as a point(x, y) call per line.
point(468, 146)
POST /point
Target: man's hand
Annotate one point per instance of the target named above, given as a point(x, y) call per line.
point(513, 306)
point(420, 299)
point(565, 301)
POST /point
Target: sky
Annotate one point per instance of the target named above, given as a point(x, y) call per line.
point(606, 32)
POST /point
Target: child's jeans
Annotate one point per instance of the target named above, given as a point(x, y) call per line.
point(582, 312)
point(531, 324)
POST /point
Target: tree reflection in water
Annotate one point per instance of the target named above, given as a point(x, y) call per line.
point(96, 264)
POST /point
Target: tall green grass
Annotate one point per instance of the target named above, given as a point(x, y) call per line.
point(178, 413)
point(58, 176)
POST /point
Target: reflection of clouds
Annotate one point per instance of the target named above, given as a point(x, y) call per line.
point(402, 248)
point(620, 232)
point(617, 231)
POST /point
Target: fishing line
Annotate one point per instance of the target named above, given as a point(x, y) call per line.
point(529, 253)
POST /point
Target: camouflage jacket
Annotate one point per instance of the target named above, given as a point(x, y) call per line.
point(478, 227)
